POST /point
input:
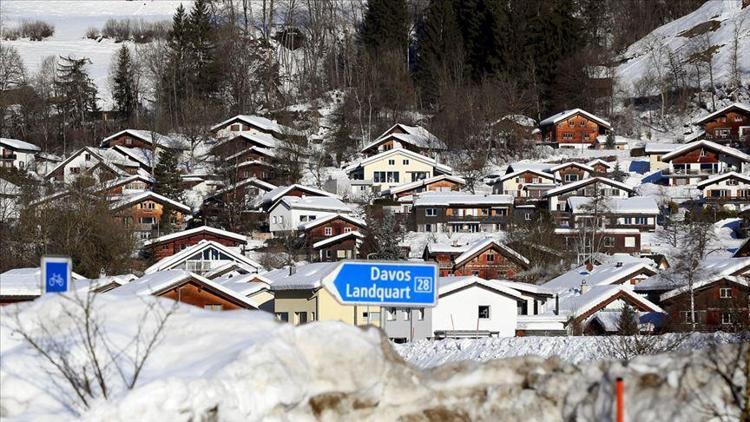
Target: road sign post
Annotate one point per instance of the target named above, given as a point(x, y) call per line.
point(400, 284)
point(55, 274)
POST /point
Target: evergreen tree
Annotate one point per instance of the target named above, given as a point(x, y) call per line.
point(75, 92)
point(385, 26)
point(202, 49)
point(611, 140)
point(439, 48)
point(167, 175)
point(124, 93)
point(176, 81)
point(627, 324)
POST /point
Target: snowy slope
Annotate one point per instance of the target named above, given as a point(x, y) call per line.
point(71, 19)
point(675, 37)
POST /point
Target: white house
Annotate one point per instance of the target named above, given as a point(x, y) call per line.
point(102, 164)
point(288, 213)
point(726, 188)
point(589, 187)
point(243, 123)
point(473, 306)
point(18, 154)
point(394, 167)
point(700, 160)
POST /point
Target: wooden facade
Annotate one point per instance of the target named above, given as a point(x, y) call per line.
point(491, 262)
point(163, 249)
point(437, 186)
point(345, 248)
point(731, 126)
point(203, 296)
point(577, 129)
point(130, 141)
point(144, 217)
point(720, 306)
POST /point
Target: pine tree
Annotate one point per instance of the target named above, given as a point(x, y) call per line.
point(124, 84)
point(75, 92)
point(439, 48)
point(202, 49)
point(385, 26)
point(627, 324)
point(176, 74)
point(611, 140)
point(167, 175)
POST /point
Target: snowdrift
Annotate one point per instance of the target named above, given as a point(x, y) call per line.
point(240, 365)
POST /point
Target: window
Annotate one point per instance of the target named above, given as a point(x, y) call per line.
point(419, 175)
point(571, 177)
point(385, 177)
point(213, 307)
point(281, 219)
point(328, 231)
point(328, 253)
point(725, 292)
point(87, 157)
point(491, 257)
point(428, 227)
point(390, 314)
point(302, 218)
point(420, 314)
point(430, 212)
point(726, 318)
point(527, 216)
point(568, 136)
point(405, 162)
point(722, 133)
point(686, 317)
point(582, 123)
point(128, 141)
point(75, 170)
point(609, 242)
point(341, 254)
point(234, 128)
point(572, 123)
point(282, 316)
point(630, 242)
point(737, 118)
point(641, 221)
point(484, 312)
point(732, 182)
point(147, 220)
point(475, 273)
point(407, 314)
point(275, 220)
point(301, 317)
point(391, 162)
point(347, 229)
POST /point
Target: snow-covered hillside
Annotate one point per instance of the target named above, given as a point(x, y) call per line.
point(244, 366)
point(71, 19)
point(716, 18)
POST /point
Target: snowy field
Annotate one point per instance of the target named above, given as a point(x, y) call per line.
point(71, 19)
point(240, 365)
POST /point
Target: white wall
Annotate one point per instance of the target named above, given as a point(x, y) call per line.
point(23, 160)
point(460, 311)
point(397, 166)
point(291, 218)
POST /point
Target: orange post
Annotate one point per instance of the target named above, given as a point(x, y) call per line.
point(620, 405)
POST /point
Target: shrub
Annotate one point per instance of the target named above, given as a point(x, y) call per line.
point(36, 30)
point(137, 30)
point(11, 34)
point(92, 33)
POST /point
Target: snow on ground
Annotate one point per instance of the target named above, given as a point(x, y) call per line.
point(430, 353)
point(242, 365)
point(71, 20)
point(678, 35)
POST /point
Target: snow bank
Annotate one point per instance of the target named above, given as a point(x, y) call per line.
point(244, 366)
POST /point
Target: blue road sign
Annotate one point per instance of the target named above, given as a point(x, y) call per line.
point(56, 273)
point(402, 284)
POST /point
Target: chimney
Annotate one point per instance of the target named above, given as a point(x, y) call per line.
point(557, 304)
point(584, 287)
point(292, 269)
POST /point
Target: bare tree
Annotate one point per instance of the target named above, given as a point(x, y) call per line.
point(736, 52)
point(594, 215)
point(12, 70)
point(85, 361)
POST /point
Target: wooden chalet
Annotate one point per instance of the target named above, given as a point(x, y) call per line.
point(440, 183)
point(325, 236)
point(243, 123)
point(721, 304)
point(729, 125)
point(572, 171)
point(125, 186)
point(487, 259)
point(143, 212)
point(701, 160)
point(724, 189)
point(136, 138)
point(600, 166)
point(573, 128)
point(186, 287)
point(172, 243)
point(342, 246)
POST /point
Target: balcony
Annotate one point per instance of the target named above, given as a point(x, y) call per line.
point(694, 172)
point(8, 157)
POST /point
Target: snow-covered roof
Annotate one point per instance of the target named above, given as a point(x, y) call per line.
point(585, 182)
point(176, 259)
point(525, 287)
point(424, 182)
point(259, 122)
point(580, 304)
point(481, 245)
point(659, 148)
point(122, 181)
point(136, 198)
point(708, 268)
point(460, 198)
point(325, 219)
point(742, 281)
point(265, 140)
point(18, 145)
point(447, 285)
point(529, 170)
point(279, 192)
point(24, 282)
point(732, 174)
point(634, 205)
point(198, 230)
point(307, 276)
point(245, 284)
point(261, 151)
point(161, 281)
point(572, 164)
point(594, 162)
point(339, 237)
point(564, 115)
point(519, 119)
point(415, 135)
point(408, 153)
point(144, 156)
point(730, 107)
point(527, 165)
point(107, 157)
point(707, 144)
point(600, 275)
point(146, 136)
point(268, 187)
point(321, 203)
